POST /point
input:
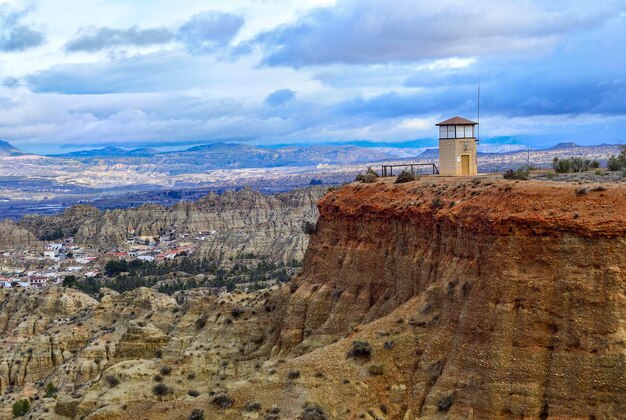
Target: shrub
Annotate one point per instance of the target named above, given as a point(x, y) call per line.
point(196, 414)
point(222, 401)
point(294, 374)
point(445, 403)
point(521, 174)
point(594, 164)
point(160, 389)
point(376, 370)
point(581, 191)
point(561, 166)
point(157, 378)
point(360, 350)
point(251, 407)
point(193, 393)
point(616, 163)
point(437, 203)
point(112, 380)
point(579, 164)
point(20, 408)
point(165, 370)
point(236, 312)
point(405, 176)
point(51, 390)
point(201, 322)
point(313, 411)
point(308, 227)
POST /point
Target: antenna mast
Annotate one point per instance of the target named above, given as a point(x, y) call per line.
point(478, 134)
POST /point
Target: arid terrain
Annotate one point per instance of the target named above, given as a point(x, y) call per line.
point(465, 297)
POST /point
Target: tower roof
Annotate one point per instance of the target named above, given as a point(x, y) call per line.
point(457, 121)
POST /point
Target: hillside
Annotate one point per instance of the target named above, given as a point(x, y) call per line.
point(479, 298)
point(243, 222)
point(7, 149)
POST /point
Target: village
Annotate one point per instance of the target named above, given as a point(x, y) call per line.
point(49, 263)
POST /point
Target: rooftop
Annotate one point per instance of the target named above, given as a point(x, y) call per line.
point(457, 121)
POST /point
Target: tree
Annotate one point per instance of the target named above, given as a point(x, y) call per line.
point(69, 281)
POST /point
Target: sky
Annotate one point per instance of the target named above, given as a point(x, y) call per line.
point(77, 74)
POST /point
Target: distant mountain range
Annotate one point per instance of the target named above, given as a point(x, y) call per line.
point(109, 151)
point(7, 149)
point(203, 158)
point(198, 159)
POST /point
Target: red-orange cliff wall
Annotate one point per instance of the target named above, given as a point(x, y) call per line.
point(513, 293)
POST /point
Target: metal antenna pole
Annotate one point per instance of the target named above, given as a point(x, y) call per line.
point(478, 134)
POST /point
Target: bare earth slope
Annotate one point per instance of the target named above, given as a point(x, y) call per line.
point(480, 298)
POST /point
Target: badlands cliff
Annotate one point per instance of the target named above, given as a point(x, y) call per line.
point(244, 222)
point(479, 299)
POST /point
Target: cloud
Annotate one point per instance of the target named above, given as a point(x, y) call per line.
point(203, 32)
point(371, 31)
point(14, 36)
point(206, 31)
point(95, 39)
point(280, 97)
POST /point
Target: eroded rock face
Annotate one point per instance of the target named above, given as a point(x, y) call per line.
point(515, 290)
point(13, 236)
point(244, 222)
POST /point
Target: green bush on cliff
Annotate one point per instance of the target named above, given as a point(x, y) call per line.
point(21, 408)
point(368, 177)
point(51, 390)
point(405, 176)
point(360, 350)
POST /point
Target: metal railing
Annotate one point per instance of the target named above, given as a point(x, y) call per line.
point(387, 170)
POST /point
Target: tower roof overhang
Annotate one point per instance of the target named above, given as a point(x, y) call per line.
point(457, 121)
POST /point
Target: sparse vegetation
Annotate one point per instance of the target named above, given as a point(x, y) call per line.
point(51, 391)
point(196, 414)
point(617, 163)
point(368, 177)
point(165, 370)
point(201, 322)
point(252, 407)
point(222, 401)
point(573, 164)
point(445, 403)
point(437, 203)
point(112, 380)
point(160, 389)
point(405, 176)
point(21, 408)
point(313, 411)
point(376, 370)
point(294, 374)
point(309, 227)
point(360, 350)
point(193, 393)
point(519, 174)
